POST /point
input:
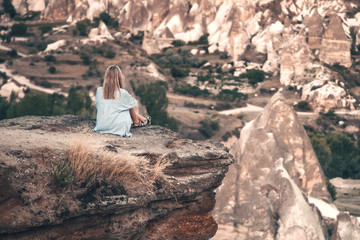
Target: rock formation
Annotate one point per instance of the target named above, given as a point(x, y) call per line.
point(99, 34)
point(326, 95)
point(347, 228)
point(25, 6)
point(316, 30)
point(232, 25)
point(335, 48)
point(265, 193)
point(174, 204)
point(295, 56)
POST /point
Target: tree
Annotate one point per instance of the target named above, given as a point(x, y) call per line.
point(52, 70)
point(345, 160)
point(338, 155)
point(4, 105)
point(179, 72)
point(9, 8)
point(75, 101)
point(82, 27)
point(34, 104)
point(18, 29)
point(322, 150)
point(254, 76)
point(178, 43)
point(153, 97)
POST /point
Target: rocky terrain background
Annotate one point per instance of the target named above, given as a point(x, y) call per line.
point(294, 37)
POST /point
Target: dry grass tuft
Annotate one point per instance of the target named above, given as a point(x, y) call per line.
point(159, 168)
point(90, 165)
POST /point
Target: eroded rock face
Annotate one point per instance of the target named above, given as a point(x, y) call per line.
point(335, 48)
point(25, 6)
point(347, 228)
point(231, 25)
point(316, 30)
point(265, 193)
point(324, 96)
point(32, 207)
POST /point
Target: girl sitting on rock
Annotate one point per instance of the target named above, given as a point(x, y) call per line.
point(115, 106)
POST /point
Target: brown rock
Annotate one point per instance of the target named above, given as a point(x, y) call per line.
point(316, 30)
point(295, 57)
point(347, 228)
point(178, 204)
point(264, 194)
point(335, 48)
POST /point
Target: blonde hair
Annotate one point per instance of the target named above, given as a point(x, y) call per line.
point(112, 82)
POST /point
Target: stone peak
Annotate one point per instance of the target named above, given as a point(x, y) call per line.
point(315, 25)
point(335, 30)
point(287, 22)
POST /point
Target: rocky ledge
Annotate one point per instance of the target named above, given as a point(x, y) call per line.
point(175, 202)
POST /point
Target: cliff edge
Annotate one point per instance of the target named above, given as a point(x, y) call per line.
point(163, 190)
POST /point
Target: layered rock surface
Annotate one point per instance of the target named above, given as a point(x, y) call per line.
point(265, 194)
point(176, 206)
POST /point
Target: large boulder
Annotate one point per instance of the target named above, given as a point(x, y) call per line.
point(324, 96)
point(265, 194)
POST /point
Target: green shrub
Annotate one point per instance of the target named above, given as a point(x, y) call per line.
point(193, 105)
point(110, 54)
point(107, 19)
point(203, 40)
point(191, 90)
point(338, 155)
point(50, 58)
point(85, 57)
point(351, 79)
point(178, 72)
point(48, 105)
point(18, 29)
point(12, 53)
point(204, 78)
point(178, 43)
point(208, 127)
point(303, 106)
point(4, 106)
point(331, 189)
point(45, 29)
point(138, 38)
point(236, 132)
point(222, 106)
point(224, 55)
point(153, 97)
point(175, 60)
point(82, 27)
point(62, 175)
point(9, 8)
point(226, 136)
point(52, 70)
point(231, 95)
point(254, 76)
point(46, 84)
